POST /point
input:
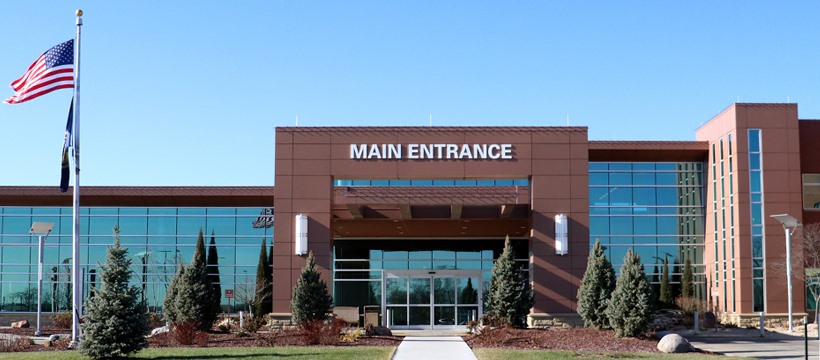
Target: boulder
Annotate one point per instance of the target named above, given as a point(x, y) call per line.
point(160, 330)
point(22, 324)
point(709, 320)
point(226, 322)
point(371, 330)
point(674, 343)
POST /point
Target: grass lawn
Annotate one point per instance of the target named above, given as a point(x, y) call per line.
point(503, 354)
point(250, 353)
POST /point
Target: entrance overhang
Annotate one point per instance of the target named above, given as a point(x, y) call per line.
point(431, 212)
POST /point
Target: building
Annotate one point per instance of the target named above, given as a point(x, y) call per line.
point(406, 221)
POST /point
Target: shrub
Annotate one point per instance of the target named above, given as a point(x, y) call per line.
point(115, 322)
point(596, 289)
point(62, 320)
point(9, 344)
point(311, 299)
point(253, 324)
point(320, 332)
point(629, 310)
point(687, 282)
point(155, 321)
point(189, 300)
point(510, 296)
point(351, 335)
point(185, 333)
point(268, 339)
point(690, 304)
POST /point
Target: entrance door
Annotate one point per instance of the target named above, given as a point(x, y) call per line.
point(439, 299)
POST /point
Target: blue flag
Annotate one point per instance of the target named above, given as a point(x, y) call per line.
point(65, 172)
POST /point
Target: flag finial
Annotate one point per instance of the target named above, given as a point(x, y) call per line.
point(79, 12)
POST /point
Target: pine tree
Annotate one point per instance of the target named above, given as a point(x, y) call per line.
point(169, 304)
point(311, 299)
point(629, 309)
point(213, 276)
point(665, 296)
point(596, 289)
point(510, 297)
point(263, 301)
point(469, 295)
point(687, 283)
point(115, 321)
point(193, 288)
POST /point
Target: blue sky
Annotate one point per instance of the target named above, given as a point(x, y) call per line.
point(189, 93)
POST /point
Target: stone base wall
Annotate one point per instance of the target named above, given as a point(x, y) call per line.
point(553, 321)
point(752, 320)
point(280, 319)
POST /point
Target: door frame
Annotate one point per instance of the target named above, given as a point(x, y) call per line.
point(431, 275)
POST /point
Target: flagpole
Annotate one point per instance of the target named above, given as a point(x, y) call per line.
point(75, 237)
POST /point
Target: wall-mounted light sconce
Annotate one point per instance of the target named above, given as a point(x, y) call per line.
point(561, 234)
point(300, 235)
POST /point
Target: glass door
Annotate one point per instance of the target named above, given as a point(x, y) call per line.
point(431, 299)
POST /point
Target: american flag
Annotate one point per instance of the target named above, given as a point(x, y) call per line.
point(51, 71)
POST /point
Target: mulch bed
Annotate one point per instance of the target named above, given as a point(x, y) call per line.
point(576, 339)
point(214, 339)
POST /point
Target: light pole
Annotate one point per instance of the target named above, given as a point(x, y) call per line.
point(41, 229)
point(790, 223)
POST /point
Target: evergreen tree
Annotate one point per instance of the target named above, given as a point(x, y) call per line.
point(195, 286)
point(213, 276)
point(469, 295)
point(665, 296)
point(169, 304)
point(596, 289)
point(115, 321)
point(687, 283)
point(510, 297)
point(263, 302)
point(629, 309)
point(311, 299)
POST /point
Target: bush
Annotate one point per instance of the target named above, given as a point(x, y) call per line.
point(351, 335)
point(155, 321)
point(596, 289)
point(188, 299)
point(311, 299)
point(62, 320)
point(267, 340)
point(115, 321)
point(8, 344)
point(510, 296)
point(629, 310)
point(253, 324)
point(186, 333)
point(320, 332)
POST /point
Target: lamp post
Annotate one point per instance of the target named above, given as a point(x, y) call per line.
point(790, 223)
point(41, 229)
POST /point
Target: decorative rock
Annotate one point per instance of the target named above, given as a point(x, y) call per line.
point(674, 343)
point(20, 324)
point(371, 330)
point(709, 320)
point(159, 330)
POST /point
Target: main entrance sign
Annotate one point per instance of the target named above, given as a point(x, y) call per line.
point(431, 151)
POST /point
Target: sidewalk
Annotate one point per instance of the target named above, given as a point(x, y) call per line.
point(434, 347)
point(749, 344)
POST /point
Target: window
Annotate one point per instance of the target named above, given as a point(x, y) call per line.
point(811, 191)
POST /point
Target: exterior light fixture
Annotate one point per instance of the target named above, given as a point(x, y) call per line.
point(300, 234)
point(790, 223)
point(561, 234)
point(41, 229)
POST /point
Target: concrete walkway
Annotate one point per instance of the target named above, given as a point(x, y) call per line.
point(433, 347)
point(750, 344)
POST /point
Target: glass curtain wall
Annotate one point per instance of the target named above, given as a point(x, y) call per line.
point(157, 238)
point(654, 208)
